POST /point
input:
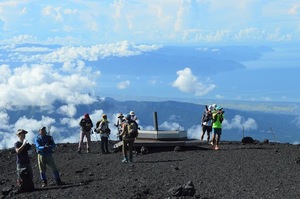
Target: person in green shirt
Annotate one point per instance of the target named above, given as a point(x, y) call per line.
point(218, 117)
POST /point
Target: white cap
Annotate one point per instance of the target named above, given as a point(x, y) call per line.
point(131, 113)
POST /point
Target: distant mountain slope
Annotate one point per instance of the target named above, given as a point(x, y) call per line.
point(276, 127)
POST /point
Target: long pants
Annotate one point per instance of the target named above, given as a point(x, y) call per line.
point(27, 167)
point(83, 134)
point(45, 160)
point(127, 148)
point(104, 144)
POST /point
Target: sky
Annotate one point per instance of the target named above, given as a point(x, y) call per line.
point(58, 50)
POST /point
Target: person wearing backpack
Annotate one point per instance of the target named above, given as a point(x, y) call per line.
point(102, 127)
point(129, 133)
point(206, 122)
point(44, 145)
point(86, 125)
point(24, 169)
point(218, 117)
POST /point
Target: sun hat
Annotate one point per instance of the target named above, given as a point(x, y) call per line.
point(120, 115)
point(104, 115)
point(210, 108)
point(131, 113)
point(19, 131)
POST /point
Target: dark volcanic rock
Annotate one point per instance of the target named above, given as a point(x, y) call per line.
point(256, 171)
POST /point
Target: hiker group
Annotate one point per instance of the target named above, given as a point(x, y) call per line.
point(44, 144)
point(127, 132)
point(211, 121)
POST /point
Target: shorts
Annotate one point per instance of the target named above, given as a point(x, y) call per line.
point(207, 129)
point(217, 131)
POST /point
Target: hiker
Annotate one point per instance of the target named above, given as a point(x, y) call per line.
point(206, 122)
point(86, 125)
point(213, 110)
point(218, 117)
point(118, 124)
point(24, 169)
point(133, 116)
point(44, 145)
point(102, 127)
point(128, 126)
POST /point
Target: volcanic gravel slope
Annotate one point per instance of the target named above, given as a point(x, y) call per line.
point(235, 171)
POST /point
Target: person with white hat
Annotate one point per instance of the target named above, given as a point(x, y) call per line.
point(118, 124)
point(133, 116)
point(206, 122)
point(24, 169)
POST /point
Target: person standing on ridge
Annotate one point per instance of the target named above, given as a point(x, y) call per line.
point(86, 125)
point(218, 117)
point(24, 169)
point(133, 116)
point(44, 145)
point(102, 127)
point(206, 122)
point(127, 148)
point(118, 124)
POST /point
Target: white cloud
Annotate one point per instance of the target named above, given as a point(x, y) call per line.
point(187, 82)
point(170, 126)
point(238, 122)
point(41, 85)
point(69, 110)
point(123, 84)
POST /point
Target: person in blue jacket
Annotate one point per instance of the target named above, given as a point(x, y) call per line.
point(44, 146)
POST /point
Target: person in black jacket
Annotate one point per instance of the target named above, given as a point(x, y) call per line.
point(24, 169)
point(86, 125)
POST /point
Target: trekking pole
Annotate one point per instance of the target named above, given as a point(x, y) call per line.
point(273, 133)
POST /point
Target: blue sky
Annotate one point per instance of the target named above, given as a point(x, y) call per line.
point(145, 49)
point(68, 39)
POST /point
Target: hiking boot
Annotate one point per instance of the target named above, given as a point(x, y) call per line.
point(59, 183)
point(216, 148)
point(130, 160)
point(125, 160)
point(79, 151)
point(44, 184)
point(88, 150)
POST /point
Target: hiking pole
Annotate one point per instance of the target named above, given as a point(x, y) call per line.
point(273, 133)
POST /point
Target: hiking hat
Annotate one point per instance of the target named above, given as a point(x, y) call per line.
point(43, 128)
point(120, 115)
point(219, 108)
point(19, 131)
point(131, 113)
point(104, 116)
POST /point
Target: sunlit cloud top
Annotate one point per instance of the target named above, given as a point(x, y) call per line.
point(172, 21)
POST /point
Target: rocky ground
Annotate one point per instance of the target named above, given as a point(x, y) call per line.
point(235, 171)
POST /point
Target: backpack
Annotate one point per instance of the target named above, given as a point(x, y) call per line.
point(25, 184)
point(207, 116)
point(132, 129)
